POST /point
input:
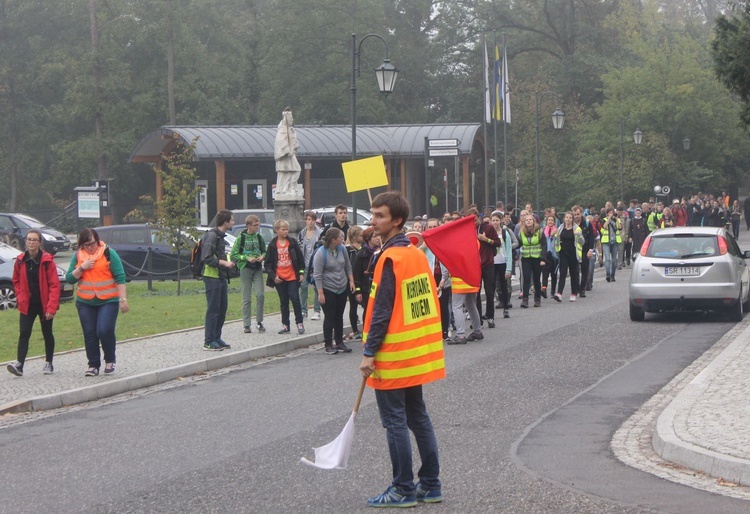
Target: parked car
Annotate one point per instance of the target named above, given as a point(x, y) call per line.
point(265, 216)
point(690, 269)
point(326, 215)
point(132, 243)
point(8, 255)
point(266, 231)
point(14, 226)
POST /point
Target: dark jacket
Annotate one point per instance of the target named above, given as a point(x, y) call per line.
point(361, 270)
point(213, 249)
point(272, 258)
point(49, 283)
point(344, 229)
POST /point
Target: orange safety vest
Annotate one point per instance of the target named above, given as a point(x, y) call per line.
point(98, 282)
point(459, 286)
point(412, 350)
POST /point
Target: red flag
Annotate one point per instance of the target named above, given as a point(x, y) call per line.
point(455, 244)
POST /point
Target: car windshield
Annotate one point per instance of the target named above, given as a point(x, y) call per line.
point(27, 221)
point(683, 246)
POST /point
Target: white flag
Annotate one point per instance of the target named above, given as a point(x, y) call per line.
point(506, 89)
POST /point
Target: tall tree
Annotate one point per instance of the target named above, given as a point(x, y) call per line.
point(731, 52)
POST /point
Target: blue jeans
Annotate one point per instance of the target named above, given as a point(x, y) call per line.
point(304, 287)
point(216, 308)
point(609, 251)
point(402, 410)
point(289, 291)
point(98, 324)
point(252, 278)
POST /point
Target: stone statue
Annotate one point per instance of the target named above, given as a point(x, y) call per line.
point(285, 154)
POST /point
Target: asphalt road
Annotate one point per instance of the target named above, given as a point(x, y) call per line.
point(524, 422)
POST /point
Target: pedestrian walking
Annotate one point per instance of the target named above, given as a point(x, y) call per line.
point(100, 296)
point(402, 352)
point(503, 261)
point(37, 289)
point(611, 237)
point(353, 245)
point(308, 240)
point(569, 245)
point(533, 246)
point(549, 271)
point(735, 215)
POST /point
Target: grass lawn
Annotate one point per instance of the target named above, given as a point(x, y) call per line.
point(151, 312)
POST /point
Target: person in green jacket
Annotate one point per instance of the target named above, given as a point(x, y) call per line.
point(248, 253)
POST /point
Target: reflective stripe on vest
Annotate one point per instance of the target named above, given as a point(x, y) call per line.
point(576, 233)
point(605, 234)
point(531, 249)
point(459, 286)
point(97, 282)
point(412, 351)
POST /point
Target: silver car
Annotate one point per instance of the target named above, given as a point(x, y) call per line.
point(8, 255)
point(690, 269)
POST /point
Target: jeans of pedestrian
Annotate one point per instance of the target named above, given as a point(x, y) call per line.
point(333, 316)
point(488, 279)
point(252, 278)
point(304, 287)
point(402, 410)
point(468, 300)
point(98, 325)
point(609, 251)
point(532, 270)
point(736, 227)
point(585, 266)
point(550, 269)
point(353, 314)
point(216, 308)
point(568, 265)
point(26, 324)
point(445, 310)
point(289, 291)
point(501, 285)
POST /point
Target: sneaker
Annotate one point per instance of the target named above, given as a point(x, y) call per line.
point(490, 323)
point(109, 368)
point(457, 340)
point(613, 279)
point(261, 328)
point(48, 368)
point(525, 303)
point(331, 350)
point(544, 292)
point(506, 314)
point(16, 368)
point(300, 328)
point(213, 346)
point(428, 495)
point(475, 336)
point(537, 302)
point(91, 372)
point(357, 336)
point(223, 344)
point(248, 330)
point(557, 297)
point(284, 330)
point(392, 498)
point(315, 316)
point(343, 348)
point(572, 298)
point(304, 314)
point(582, 294)
point(609, 279)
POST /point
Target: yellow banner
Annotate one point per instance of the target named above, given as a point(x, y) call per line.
point(365, 173)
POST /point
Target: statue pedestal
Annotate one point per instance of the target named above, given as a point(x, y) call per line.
point(291, 209)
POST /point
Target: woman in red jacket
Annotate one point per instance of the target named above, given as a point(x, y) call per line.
point(37, 288)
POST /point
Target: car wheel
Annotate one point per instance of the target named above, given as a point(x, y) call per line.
point(746, 306)
point(636, 313)
point(7, 297)
point(737, 312)
point(16, 243)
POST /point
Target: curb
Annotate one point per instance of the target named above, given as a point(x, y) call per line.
point(122, 385)
point(670, 447)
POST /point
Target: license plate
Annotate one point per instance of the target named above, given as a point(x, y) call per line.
point(682, 271)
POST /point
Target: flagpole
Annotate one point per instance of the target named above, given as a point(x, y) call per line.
point(505, 128)
point(494, 118)
point(484, 125)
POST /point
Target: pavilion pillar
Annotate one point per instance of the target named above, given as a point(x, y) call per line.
point(221, 175)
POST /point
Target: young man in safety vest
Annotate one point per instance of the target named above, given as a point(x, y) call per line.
point(403, 349)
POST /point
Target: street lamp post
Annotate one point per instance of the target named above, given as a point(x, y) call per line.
point(637, 138)
point(386, 75)
point(558, 119)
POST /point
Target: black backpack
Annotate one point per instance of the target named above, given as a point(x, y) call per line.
point(196, 264)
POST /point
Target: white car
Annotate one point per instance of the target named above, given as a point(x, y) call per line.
point(8, 255)
point(690, 269)
point(326, 215)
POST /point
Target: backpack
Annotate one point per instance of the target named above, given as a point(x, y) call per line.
point(196, 264)
point(318, 246)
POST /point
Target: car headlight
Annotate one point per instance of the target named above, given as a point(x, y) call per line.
point(48, 237)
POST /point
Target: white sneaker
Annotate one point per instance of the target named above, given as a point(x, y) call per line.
point(315, 316)
point(48, 368)
point(572, 298)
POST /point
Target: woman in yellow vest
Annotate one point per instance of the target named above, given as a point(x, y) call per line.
point(403, 350)
point(610, 238)
point(569, 245)
point(98, 271)
point(533, 246)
